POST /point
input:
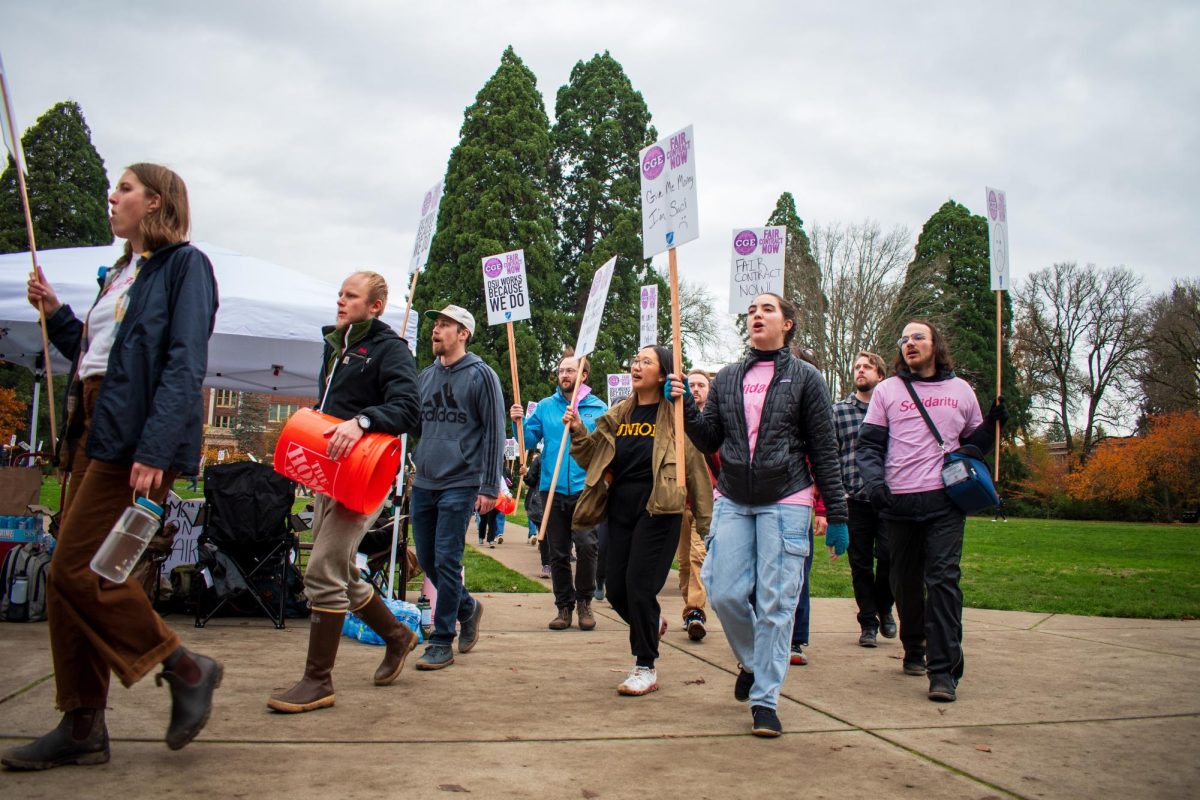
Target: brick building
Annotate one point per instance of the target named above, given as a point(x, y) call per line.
point(222, 407)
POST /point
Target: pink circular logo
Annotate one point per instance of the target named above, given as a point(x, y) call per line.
point(993, 206)
point(645, 298)
point(427, 204)
point(745, 242)
point(652, 164)
point(614, 380)
point(492, 267)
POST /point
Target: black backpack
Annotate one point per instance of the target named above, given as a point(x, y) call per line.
point(25, 570)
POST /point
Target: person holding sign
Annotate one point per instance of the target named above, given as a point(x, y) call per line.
point(630, 481)
point(136, 421)
point(765, 415)
point(460, 464)
point(367, 378)
point(545, 425)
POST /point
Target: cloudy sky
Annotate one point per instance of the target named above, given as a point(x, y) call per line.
point(308, 131)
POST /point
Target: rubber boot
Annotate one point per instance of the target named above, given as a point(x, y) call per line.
point(399, 639)
point(80, 738)
point(315, 689)
point(193, 678)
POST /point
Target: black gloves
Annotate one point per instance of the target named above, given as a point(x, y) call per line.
point(998, 412)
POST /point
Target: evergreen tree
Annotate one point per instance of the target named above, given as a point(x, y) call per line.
point(67, 185)
point(802, 278)
point(601, 123)
point(948, 283)
point(496, 200)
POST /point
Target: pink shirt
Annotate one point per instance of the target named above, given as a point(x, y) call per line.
point(914, 460)
point(754, 392)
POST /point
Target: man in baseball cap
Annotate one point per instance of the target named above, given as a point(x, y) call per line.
point(457, 314)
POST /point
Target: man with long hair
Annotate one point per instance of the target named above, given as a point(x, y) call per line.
point(901, 466)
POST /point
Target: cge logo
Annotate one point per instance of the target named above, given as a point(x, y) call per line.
point(652, 164)
point(425, 206)
point(493, 267)
point(745, 242)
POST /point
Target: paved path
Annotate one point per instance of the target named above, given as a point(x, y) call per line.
point(1052, 706)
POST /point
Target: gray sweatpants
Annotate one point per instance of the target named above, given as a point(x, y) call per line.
point(332, 581)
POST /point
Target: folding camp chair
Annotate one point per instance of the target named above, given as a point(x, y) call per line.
point(247, 539)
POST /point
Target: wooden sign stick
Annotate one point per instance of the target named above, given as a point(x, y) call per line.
point(677, 346)
point(35, 272)
point(996, 474)
point(516, 382)
point(562, 448)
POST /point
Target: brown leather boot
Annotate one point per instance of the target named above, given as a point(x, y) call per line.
point(80, 738)
point(562, 621)
point(399, 639)
point(583, 610)
point(315, 689)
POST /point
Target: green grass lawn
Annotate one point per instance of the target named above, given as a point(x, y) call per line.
point(1094, 568)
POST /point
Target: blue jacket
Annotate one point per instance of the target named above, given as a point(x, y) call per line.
point(546, 424)
point(150, 408)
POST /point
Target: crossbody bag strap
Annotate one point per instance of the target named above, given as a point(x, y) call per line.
point(924, 414)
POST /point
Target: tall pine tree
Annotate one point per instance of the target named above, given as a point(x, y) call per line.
point(496, 200)
point(601, 123)
point(948, 282)
point(67, 185)
point(802, 278)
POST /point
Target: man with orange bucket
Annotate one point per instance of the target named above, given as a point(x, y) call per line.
point(368, 379)
point(460, 461)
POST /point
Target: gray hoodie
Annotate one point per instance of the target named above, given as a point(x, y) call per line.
point(461, 426)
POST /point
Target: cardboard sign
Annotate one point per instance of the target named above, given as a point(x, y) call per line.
point(426, 228)
point(649, 306)
point(597, 296)
point(669, 215)
point(183, 513)
point(997, 217)
point(755, 265)
point(619, 387)
point(505, 290)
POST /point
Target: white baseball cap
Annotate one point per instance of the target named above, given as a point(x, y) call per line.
point(458, 314)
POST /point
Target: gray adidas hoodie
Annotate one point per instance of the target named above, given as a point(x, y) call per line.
point(461, 426)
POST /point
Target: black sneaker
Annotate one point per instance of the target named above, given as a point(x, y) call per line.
point(743, 685)
point(436, 656)
point(887, 625)
point(766, 722)
point(468, 631)
point(941, 688)
point(867, 639)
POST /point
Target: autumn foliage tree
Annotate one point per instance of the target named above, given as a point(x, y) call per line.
point(12, 413)
point(1160, 469)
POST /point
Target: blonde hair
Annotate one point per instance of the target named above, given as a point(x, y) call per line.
point(377, 288)
point(171, 221)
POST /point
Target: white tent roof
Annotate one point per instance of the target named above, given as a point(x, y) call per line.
point(268, 332)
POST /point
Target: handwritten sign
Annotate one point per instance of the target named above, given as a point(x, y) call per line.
point(505, 290)
point(997, 217)
point(597, 296)
point(669, 215)
point(619, 387)
point(756, 265)
point(426, 228)
point(649, 308)
point(510, 449)
point(184, 514)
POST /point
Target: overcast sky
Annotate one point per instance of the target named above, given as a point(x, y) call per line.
point(308, 131)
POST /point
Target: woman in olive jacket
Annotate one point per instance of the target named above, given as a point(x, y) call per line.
point(631, 483)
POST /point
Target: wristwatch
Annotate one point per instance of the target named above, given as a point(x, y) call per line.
point(363, 421)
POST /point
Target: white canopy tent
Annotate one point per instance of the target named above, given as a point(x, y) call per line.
point(268, 332)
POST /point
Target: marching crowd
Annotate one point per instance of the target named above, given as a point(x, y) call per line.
point(769, 461)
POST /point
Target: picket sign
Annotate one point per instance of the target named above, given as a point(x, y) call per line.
point(588, 329)
point(997, 215)
point(649, 317)
point(506, 296)
point(755, 265)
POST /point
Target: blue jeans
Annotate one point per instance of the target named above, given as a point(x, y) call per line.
point(757, 550)
point(439, 525)
point(804, 607)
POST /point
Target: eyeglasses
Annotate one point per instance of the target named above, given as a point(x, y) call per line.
point(916, 337)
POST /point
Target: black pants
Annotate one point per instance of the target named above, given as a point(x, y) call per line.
point(487, 526)
point(602, 552)
point(640, 550)
point(924, 534)
point(561, 537)
point(869, 564)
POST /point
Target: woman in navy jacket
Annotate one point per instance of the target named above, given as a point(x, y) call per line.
point(135, 422)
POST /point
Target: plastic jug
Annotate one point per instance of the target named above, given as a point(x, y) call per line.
point(127, 540)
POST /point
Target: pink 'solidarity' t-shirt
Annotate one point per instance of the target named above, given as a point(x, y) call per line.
point(754, 392)
point(914, 460)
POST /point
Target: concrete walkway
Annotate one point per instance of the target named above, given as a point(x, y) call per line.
point(1051, 706)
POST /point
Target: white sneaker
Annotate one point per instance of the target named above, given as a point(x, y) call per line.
point(642, 680)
